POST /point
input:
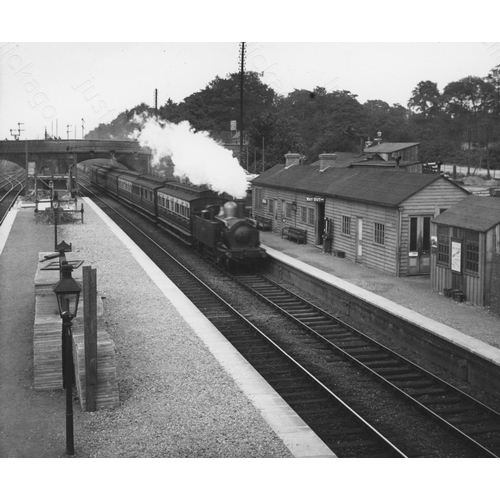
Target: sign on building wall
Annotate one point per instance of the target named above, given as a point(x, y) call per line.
point(456, 256)
point(317, 199)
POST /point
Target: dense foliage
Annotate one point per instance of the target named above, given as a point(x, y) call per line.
point(460, 124)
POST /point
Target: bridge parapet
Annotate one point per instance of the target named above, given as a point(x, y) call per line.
point(73, 146)
point(35, 154)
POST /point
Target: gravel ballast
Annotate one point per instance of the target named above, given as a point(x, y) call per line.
point(176, 400)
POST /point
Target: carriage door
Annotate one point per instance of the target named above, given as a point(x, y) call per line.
point(419, 255)
point(359, 239)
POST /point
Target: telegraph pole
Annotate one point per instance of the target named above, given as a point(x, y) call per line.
point(83, 128)
point(242, 82)
point(156, 100)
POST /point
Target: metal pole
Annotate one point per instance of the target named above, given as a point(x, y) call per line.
point(63, 351)
point(56, 209)
point(263, 156)
point(242, 80)
point(70, 443)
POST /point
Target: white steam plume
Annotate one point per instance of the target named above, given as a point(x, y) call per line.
point(194, 154)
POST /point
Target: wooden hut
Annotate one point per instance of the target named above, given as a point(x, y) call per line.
point(377, 217)
point(465, 262)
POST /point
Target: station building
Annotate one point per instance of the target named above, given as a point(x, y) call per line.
point(465, 259)
point(391, 155)
point(378, 217)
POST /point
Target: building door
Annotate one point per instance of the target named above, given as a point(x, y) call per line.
point(419, 256)
point(320, 223)
point(359, 239)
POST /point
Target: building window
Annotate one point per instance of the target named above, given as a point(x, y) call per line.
point(310, 216)
point(443, 253)
point(303, 215)
point(258, 198)
point(346, 225)
point(288, 210)
point(271, 206)
point(379, 234)
point(472, 252)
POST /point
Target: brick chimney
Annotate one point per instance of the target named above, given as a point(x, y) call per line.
point(398, 160)
point(326, 160)
point(292, 159)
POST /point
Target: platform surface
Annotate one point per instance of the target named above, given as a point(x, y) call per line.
point(177, 375)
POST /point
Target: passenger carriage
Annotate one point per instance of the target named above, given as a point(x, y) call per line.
point(177, 203)
point(111, 181)
point(139, 191)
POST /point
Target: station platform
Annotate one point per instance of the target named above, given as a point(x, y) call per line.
point(184, 390)
point(408, 296)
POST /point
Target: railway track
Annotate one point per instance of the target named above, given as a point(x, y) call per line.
point(338, 425)
point(320, 404)
point(468, 418)
point(8, 199)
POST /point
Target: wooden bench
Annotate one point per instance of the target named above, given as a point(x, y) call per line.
point(264, 223)
point(293, 233)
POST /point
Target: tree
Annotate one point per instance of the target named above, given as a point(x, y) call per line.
point(121, 127)
point(322, 119)
point(425, 99)
point(468, 102)
point(213, 108)
point(270, 137)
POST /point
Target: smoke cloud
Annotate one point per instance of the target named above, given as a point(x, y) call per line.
point(195, 155)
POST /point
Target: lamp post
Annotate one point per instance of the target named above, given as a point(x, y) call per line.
point(55, 206)
point(67, 291)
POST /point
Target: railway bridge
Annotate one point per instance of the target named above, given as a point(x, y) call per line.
point(57, 156)
point(51, 163)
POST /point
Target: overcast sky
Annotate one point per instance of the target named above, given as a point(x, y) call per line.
point(56, 84)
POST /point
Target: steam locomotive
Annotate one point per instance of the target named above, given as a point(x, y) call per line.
point(213, 224)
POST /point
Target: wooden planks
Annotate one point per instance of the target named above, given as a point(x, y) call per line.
point(90, 336)
point(47, 344)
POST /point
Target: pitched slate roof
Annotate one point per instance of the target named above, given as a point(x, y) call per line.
point(342, 160)
point(478, 213)
point(383, 163)
point(390, 147)
point(382, 187)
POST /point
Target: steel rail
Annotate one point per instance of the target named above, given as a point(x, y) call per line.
point(393, 450)
point(304, 324)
